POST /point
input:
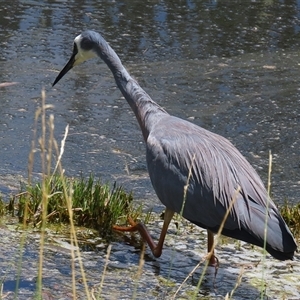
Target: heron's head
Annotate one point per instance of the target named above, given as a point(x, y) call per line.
point(83, 49)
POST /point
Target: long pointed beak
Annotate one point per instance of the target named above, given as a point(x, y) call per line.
point(65, 70)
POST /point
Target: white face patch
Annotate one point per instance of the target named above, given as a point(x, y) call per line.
point(78, 39)
point(82, 55)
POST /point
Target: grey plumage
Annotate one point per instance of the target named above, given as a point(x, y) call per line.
point(176, 147)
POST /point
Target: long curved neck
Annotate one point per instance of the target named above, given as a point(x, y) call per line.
point(145, 109)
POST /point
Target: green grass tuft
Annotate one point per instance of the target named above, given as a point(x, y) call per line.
point(291, 215)
point(94, 205)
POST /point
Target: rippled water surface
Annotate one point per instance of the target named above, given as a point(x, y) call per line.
point(232, 67)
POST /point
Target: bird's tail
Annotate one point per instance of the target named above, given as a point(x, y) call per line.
point(280, 242)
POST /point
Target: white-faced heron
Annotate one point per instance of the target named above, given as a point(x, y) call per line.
point(193, 171)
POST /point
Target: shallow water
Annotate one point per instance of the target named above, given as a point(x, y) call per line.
point(229, 66)
point(161, 278)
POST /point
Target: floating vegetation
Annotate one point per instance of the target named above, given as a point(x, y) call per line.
point(93, 204)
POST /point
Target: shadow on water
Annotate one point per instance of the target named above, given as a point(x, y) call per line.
point(242, 274)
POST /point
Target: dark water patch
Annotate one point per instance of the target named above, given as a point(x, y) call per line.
point(12, 285)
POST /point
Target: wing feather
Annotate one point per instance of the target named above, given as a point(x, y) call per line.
point(218, 171)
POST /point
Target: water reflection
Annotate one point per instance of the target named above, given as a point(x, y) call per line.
point(192, 29)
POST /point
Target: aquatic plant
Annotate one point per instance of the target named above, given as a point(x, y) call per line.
point(94, 205)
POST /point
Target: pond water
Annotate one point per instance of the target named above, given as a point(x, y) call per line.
point(232, 67)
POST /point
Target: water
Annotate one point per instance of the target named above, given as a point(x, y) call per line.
point(229, 66)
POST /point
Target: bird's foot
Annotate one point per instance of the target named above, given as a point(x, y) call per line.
point(133, 226)
point(213, 261)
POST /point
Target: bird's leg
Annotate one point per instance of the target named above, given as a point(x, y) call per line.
point(167, 219)
point(213, 261)
point(142, 229)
